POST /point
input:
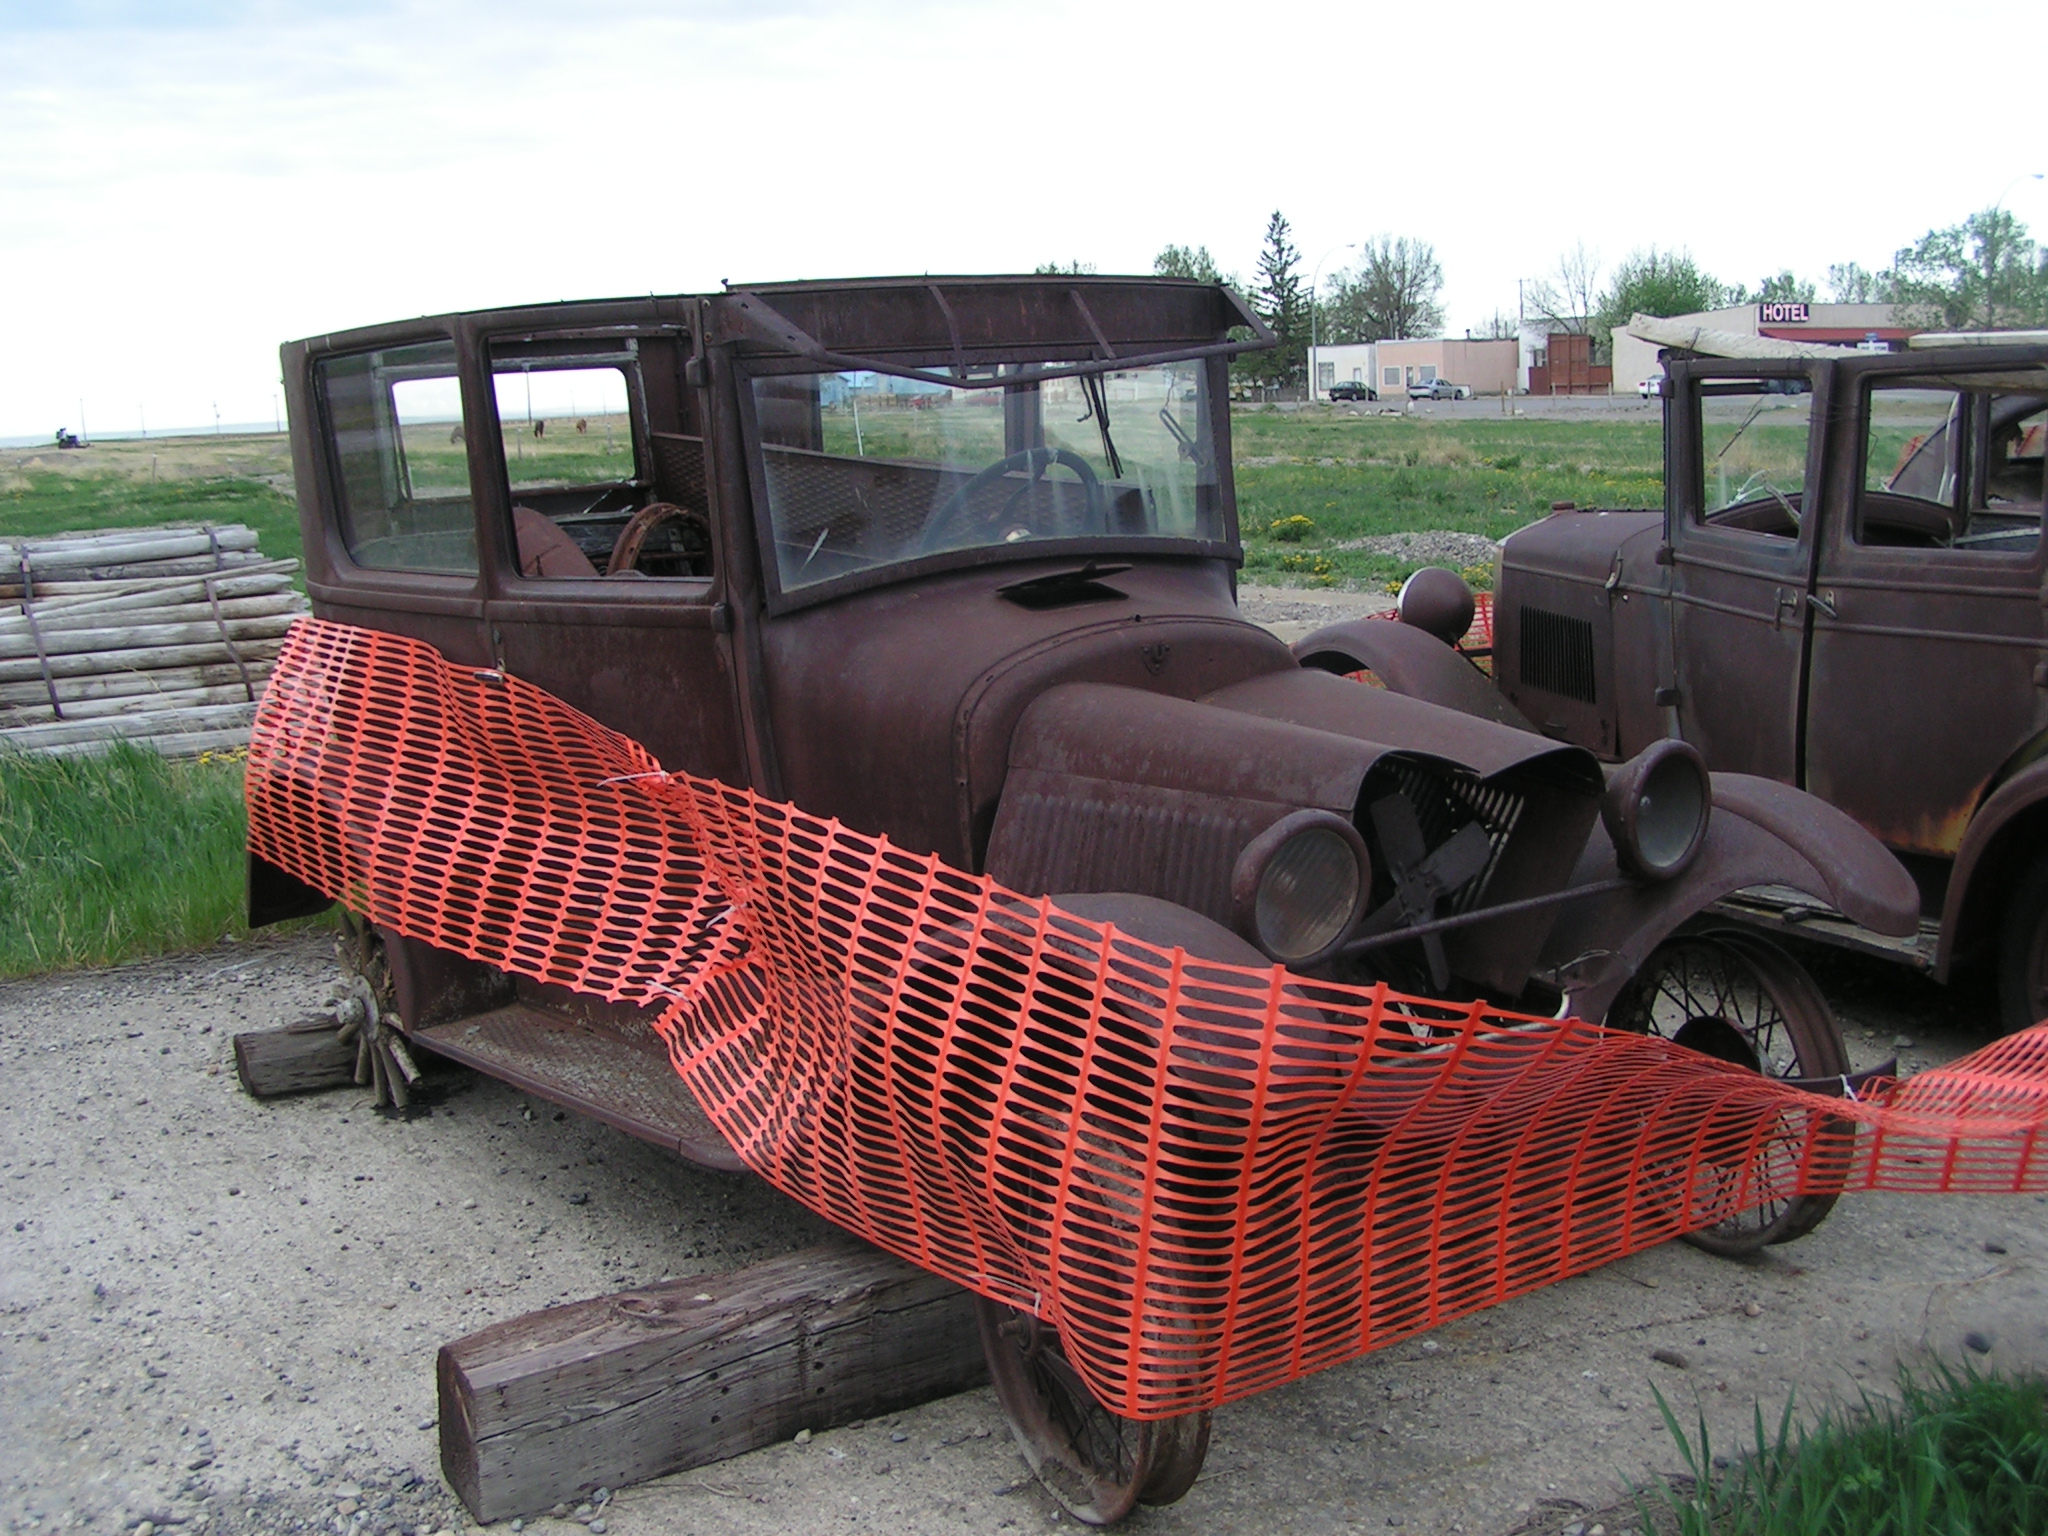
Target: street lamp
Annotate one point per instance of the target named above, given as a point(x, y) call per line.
point(1991, 247)
point(1314, 305)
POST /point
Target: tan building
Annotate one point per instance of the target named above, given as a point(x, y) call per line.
point(1484, 367)
point(1842, 325)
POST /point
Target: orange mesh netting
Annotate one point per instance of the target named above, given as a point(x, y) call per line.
point(1212, 1180)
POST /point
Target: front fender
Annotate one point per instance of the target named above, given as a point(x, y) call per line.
point(1762, 833)
point(2005, 832)
point(1410, 662)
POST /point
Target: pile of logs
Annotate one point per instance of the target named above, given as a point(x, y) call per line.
point(160, 636)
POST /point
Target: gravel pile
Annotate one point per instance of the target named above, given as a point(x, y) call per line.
point(1435, 546)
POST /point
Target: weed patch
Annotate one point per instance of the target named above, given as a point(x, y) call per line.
point(109, 858)
point(1966, 1455)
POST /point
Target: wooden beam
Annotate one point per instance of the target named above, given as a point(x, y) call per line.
point(614, 1391)
point(302, 1057)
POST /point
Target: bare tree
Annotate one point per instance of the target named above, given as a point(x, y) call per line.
point(1391, 293)
point(1565, 298)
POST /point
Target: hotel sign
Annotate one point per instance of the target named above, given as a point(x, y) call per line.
point(1781, 314)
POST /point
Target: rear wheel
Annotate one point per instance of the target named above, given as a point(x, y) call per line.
point(1097, 1463)
point(2023, 952)
point(1739, 999)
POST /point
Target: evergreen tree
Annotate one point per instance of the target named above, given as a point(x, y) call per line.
point(1281, 299)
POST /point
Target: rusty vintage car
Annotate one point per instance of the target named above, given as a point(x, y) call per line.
point(954, 561)
point(1843, 591)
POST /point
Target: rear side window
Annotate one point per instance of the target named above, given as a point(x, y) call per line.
point(394, 425)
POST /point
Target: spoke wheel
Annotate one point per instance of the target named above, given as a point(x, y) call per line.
point(1095, 1462)
point(1739, 999)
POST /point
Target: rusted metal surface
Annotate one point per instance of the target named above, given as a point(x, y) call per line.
point(1072, 707)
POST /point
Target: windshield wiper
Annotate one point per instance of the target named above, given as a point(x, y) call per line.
point(1098, 407)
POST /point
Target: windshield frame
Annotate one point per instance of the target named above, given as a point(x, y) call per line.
point(1098, 546)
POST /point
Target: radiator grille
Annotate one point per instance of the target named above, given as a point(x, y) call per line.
point(1444, 802)
point(1556, 653)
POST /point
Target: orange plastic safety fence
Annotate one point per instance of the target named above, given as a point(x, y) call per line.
point(1213, 1180)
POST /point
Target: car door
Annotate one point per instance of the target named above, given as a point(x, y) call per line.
point(1927, 633)
point(1740, 456)
point(596, 444)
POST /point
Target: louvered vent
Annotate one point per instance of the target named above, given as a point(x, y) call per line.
point(1557, 653)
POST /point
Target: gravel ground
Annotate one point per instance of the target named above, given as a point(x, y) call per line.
point(1437, 546)
point(1293, 612)
point(221, 1316)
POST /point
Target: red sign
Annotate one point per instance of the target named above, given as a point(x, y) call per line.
point(1781, 313)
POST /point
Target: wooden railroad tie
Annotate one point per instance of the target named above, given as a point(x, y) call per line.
point(613, 1391)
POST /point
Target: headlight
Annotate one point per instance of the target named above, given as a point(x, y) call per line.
point(1300, 886)
point(1656, 809)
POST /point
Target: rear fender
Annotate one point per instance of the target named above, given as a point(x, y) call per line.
point(1762, 833)
point(276, 895)
point(2007, 832)
point(1410, 662)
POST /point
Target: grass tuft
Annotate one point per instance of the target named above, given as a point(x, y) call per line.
point(1964, 1456)
point(110, 858)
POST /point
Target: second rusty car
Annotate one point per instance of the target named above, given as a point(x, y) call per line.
point(954, 561)
point(1844, 591)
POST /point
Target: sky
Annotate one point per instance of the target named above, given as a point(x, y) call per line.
point(185, 184)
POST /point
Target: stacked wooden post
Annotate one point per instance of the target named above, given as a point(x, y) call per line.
point(160, 636)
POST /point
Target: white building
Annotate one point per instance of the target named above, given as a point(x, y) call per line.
point(1345, 363)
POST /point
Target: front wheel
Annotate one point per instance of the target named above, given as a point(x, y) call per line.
point(2023, 952)
point(1097, 1463)
point(1740, 999)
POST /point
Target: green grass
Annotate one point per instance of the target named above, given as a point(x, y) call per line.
point(1964, 1456)
point(1353, 476)
point(109, 858)
point(140, 482)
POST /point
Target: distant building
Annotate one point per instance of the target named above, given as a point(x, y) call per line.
point(1842, 325)
point(1389, 367)
point(1565, 366)
point(1347, 363)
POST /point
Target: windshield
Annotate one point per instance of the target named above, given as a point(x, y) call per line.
point(867, 470)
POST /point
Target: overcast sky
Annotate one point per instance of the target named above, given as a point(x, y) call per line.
point(184, 184)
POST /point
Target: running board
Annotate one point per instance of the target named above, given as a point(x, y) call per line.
point(1778, 909)
point(620, 1075)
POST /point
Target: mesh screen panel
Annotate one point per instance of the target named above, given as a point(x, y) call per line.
point(1213, 1180)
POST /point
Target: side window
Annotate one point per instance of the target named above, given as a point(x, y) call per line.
point(590, 498)
point(394, 424)
point(1753, 437)
point(1390, 378)
point(1952, 466)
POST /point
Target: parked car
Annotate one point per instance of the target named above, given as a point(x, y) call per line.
point(954, 562)
point(1650, 389)
point(1439, 389)
point(1844, 591)
point(1352, 389)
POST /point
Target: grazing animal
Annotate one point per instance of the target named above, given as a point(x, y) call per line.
point(582, 425)
point(540, 429)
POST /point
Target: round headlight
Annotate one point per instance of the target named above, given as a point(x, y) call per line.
point(1300, 886)
point(1437, 602)
point(1656, 809)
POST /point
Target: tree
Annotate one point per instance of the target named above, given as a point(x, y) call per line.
point(1191, 261)
point(1393, 292)
point(1071, 269)
point(1784, 289)
point(1565, 298)
point(1849, 283)
point(1654, 282)
point(1281, 300)
point(1984, 271)
point(1500, 326)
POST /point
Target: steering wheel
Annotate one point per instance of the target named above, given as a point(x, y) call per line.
point(625, 556)
point(1035, 460)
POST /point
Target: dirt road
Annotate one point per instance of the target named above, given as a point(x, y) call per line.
point(219, 1315)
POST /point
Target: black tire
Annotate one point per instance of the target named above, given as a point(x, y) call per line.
point(1739, 998)
point(2023, 952)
